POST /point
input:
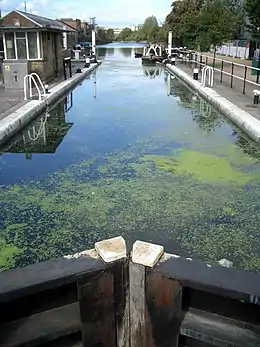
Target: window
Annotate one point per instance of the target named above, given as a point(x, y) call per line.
point(21, 45)
point(9, 42)
point(32, 45)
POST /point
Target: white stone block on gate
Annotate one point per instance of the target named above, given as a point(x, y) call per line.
point(111, 249)
point(146, 254)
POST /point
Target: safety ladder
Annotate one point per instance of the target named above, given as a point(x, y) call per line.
point(210, 71)
point(33, 78)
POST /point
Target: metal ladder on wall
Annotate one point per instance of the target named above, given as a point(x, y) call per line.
point(210, 70)
point(33, 78)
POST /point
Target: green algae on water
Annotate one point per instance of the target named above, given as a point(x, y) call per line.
point(205, 167)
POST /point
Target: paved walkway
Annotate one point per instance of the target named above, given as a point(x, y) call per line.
point(11, 100)
point(244, 101)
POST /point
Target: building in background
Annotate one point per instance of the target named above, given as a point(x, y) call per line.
point(31, 44)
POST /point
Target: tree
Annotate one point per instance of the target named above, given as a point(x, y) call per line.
point(110, 35)
point(125, 35)
point(218, 21)
point(150, 29)
point(199, 24)
point(252, 8)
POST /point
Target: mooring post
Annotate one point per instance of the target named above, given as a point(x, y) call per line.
point(196, 74)
point(103, 298)
point(143, 255)
point(256, 97)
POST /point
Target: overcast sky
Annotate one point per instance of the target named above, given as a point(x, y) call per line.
point(113, 13)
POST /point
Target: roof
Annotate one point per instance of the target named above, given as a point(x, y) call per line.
point(43, 22)
point(68, 27)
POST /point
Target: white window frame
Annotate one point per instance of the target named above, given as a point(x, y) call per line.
point(39, 58)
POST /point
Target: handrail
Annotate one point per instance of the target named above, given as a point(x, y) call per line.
point(204, 75)
point(40, 81)
point(31, 78)
point(202, 60)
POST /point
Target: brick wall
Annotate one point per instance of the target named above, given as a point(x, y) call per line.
point(9, 20)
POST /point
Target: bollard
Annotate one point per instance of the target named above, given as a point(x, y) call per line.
point(46, 87)
point(196, 74)
point(173, 61)
point(256, 97)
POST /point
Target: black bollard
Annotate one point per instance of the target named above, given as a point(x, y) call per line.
point(196, 74)
point(256, 97)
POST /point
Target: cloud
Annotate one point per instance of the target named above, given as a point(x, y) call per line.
point(112, 13)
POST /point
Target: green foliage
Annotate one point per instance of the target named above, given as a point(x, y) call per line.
point(149, 31)
point(110, 35)
point(204, 23)
point(252, 9)
point(125, 35)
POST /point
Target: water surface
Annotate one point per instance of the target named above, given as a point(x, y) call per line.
point(130, 152)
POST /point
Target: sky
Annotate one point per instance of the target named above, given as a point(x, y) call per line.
point(111, 13)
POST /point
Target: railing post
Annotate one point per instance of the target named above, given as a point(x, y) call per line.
point(161, 310)
point(156, 314)
point(195, 60)
point(200, 61)
point(244, 83)
point(258, 72)
point(232, 72)
point(102, 309)
point(206, 60)
point(64, 69)
point(221, 72)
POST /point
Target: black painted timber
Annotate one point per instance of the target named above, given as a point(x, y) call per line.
point(41, 328)
point(227, 282)
point(97, 307)
point(43, 276)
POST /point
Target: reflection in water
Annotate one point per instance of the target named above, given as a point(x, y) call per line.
point(126, 51)
point(46, 133)
point(202, 113)
point(151, 71)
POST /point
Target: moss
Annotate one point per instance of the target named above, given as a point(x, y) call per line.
point(169, 199)
point(205, 167)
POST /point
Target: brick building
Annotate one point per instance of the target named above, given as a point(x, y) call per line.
point(35, 39)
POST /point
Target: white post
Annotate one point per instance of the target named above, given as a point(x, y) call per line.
point(65, 38)
point(170, 43)
point(94, 42)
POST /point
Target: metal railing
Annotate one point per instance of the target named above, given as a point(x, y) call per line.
point(221, 66)
point(37, 83)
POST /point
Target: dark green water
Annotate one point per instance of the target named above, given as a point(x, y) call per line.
point(134, 154)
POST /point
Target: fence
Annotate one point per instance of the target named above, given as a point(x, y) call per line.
point(113, 300)
point(229, 71)
point(234, 50)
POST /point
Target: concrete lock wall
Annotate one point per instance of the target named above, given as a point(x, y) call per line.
point(245, 121)
point(113, 298)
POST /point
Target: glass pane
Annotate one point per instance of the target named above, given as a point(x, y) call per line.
point(32, 44)
point(20, 35)
point(9, 41)
point(21, 49)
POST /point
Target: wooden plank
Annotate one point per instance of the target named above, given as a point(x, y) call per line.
point(38, 302)
point(218, 330)
point(45, 275)
point(221, 305)
point(97, 308)
point(233, 283)
point(41, 328)
point(164, 310)
point(121, 284)
point(137, 304)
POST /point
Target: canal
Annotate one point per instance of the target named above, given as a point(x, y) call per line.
point(130, 152)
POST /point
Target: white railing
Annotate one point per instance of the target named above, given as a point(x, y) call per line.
point(210, 71)
point(37, 83)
